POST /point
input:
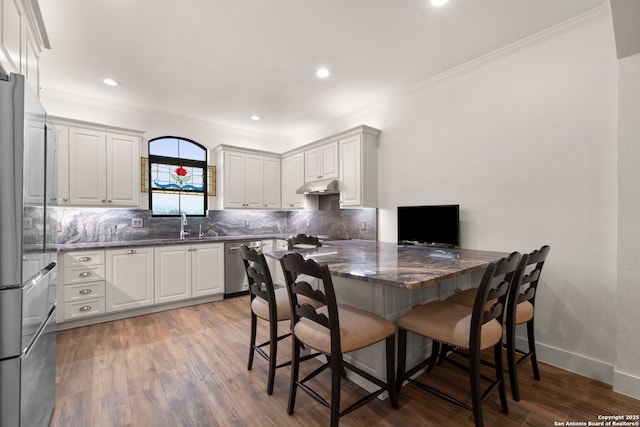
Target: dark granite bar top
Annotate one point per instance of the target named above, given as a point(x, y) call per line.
point(409, 267)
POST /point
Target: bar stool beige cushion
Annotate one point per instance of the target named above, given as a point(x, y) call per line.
point(449, 323)
point(524, 310)
point(260, 307)
point(358, 329)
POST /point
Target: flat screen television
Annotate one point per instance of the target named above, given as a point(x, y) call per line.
point(435, 225)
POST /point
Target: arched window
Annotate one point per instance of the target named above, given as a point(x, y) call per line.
point(177, 177)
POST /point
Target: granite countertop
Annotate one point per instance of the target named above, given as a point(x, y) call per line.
point(409, 267)
point(165, 242)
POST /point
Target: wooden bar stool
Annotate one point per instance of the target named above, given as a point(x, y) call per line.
point(332, 330)
point(269, 304)
point(303, 241)
point(457, 328)
point(520, 310)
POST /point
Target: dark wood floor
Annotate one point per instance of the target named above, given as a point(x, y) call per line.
point(187, 367)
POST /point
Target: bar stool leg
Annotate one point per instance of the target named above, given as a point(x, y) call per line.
point(532, 350)
point(476, 393)
point(497, 352)
point(252, 340)
point(391, 381)
point(295, 367)
point(436, 348)
point(273, 353)
point(402, 358)
point(511, 361)
point(336, 377)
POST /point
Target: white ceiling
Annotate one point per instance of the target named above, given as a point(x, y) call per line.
point(224, 60)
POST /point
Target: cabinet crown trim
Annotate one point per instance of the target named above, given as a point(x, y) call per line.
point(224, 147)
point(63, 121)
point(367, 130)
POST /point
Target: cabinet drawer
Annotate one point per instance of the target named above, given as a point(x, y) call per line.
point(74, 310)
point(77, 259)
point(75, 275)
point(83, 291)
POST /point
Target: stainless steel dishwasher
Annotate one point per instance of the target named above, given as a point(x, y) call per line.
point(235, 277)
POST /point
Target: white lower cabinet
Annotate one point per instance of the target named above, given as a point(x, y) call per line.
point(207, 274)
point(173, 273)
point(99, 282)
point(82, 277)
point(188, 271)
point(129, 274)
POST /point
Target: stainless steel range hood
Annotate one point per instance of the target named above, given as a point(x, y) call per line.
point(326, 186)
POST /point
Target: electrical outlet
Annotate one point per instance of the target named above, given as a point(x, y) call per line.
point(247, 223)
point(363, 225)
point(136, 222)
point(308, 223)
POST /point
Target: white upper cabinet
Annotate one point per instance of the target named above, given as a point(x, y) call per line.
point(253, 183)
point(62, 157)
point(234, 180)
point(271, 183)
point(292, 179)
point(250, 179)
point(123, 170)
point(321, 162)
point(87, 167)
point(20, 42)
point(261, 180)
point(359, 168)
point(98, 167)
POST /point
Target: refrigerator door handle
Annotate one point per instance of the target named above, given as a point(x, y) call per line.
point(36, 337)
point(40, 276)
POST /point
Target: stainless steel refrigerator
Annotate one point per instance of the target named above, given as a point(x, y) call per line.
point(27, 258)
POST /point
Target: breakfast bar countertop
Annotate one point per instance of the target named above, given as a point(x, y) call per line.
point(409, 267)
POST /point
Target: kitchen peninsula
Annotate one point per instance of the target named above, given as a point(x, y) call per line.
point(389, 279)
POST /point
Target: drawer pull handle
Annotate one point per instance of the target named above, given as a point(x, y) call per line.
point(85, 308)
point(84, 258)
point(85, 291)
point(85, 274)
point(131, 251)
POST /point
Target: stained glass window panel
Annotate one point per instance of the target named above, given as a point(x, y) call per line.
point(177, 177)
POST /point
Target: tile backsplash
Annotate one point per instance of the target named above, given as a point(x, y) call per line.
point(86, 225)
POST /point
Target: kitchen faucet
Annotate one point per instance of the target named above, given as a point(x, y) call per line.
point(183, 222)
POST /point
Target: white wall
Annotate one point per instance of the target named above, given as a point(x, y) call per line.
point(627, 373)
point(525, 142)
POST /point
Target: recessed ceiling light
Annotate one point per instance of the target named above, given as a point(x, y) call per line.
point(255, 117)
point(323, 73)
point(438, 2)
point(110, 82)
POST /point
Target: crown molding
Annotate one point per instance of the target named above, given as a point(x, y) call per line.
point(583, 19)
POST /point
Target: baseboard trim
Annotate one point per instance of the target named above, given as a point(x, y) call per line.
point(117, 315)
point(627, 384)
point(577, 363)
